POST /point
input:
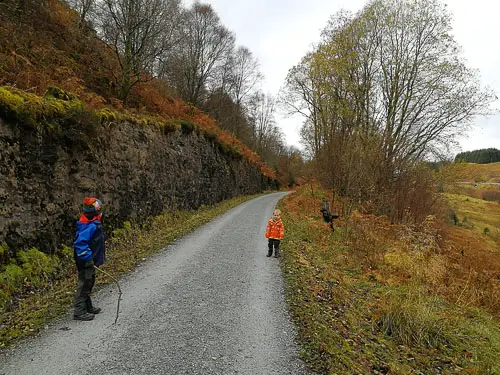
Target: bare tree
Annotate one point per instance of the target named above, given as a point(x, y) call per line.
point(246, 75)
point(262, 118)
point(302, 96)
point(84, 7)
point(139, 31)
point(204, 45)
point(230, 91)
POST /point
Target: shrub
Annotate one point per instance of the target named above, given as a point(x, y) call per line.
point(412, 318)
point(187, 126)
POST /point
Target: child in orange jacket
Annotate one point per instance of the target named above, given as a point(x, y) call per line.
point(275, 232)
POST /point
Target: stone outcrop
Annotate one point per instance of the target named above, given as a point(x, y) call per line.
point(137, 171)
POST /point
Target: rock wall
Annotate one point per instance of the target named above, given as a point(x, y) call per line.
point(136, 171)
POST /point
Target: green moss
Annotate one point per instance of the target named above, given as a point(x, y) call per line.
point(65, 253)
point(31, 268)
point(10, 104)
point(11, 279)
point(57, 93)
point(37, 266)
point(106, 115)
point(35, 111)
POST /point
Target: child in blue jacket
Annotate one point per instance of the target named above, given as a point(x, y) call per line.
point(90, 250)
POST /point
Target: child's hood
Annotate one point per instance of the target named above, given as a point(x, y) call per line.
point(80, 225)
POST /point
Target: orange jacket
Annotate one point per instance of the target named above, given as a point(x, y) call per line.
point(275, 229)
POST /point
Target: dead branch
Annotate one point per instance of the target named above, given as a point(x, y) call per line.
point(119, 291)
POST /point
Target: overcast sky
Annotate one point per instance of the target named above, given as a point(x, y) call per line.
point(280, 32)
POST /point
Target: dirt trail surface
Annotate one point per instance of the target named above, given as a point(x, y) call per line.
point(211, 303)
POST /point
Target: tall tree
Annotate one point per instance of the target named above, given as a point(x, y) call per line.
point(383, 89)
point(262, 118)
point(427, 93)
point(245, 75)
point(204, 45)
point(139, 31)
point(84, 7)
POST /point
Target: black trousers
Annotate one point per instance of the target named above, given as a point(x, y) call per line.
point(273, 243)
point(86, 281)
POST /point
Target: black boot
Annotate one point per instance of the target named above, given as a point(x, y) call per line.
point(85, 316)
point(90, 308)
point(93, 310)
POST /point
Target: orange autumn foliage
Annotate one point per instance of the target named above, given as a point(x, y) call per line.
point(170, 108)
point(49, 47)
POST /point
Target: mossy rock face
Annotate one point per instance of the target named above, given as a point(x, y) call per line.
point(55, 150)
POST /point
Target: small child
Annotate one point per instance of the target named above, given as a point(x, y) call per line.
point(275, 232)
point(90, 250)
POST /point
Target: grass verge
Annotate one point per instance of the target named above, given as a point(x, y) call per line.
point(357, 313)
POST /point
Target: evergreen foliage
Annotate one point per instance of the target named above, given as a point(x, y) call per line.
point(482, 156)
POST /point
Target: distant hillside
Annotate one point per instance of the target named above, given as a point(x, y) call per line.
point(471, 172)
point(483, 156)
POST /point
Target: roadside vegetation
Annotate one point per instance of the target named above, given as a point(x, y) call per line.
point(375, 297)
point(35, 288)
point(408, 282)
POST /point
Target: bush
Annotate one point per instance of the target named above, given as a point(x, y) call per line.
point(412, 318)
point(187, 126)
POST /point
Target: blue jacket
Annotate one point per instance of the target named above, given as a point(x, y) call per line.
point(89, 242)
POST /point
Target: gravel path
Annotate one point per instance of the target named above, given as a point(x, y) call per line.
point(211, 303)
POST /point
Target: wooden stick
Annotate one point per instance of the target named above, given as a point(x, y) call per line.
point(119, 291)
